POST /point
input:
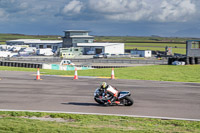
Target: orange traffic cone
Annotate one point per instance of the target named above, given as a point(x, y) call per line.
point(112, 74)
point(38, 74)
point(76, 74)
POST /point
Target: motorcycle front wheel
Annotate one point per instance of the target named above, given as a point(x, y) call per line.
point(98, 101)
point(128, 101)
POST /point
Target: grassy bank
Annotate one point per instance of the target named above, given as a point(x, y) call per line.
point(20, 122)
point(135, 39)
point(157, 44)
point(6, 37)
point(177, 48)
point(174, 50)
point(188, 73)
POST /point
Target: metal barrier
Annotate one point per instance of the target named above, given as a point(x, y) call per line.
point(120, 61)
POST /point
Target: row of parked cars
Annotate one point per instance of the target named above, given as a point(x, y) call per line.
point(15, 51)
point(103, 55)
point(107, 55)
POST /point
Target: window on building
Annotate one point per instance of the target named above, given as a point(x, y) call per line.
point(48, 46)
point(78, 34)
point(55, 47)
point(40, 46)
point(195, 45)
point(75, 49)
point(66, 34)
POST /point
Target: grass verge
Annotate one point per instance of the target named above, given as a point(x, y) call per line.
point(14, 122)
point(187, 73)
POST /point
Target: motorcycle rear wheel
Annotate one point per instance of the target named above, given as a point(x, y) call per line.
point(128, 101)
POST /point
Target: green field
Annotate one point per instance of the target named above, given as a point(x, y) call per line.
point(124, 39)
point(157, 44)
point(135, 39)
point(174, 50)
point(7, 37)
point(176, 47)
point(188, 73)
point(19, 122)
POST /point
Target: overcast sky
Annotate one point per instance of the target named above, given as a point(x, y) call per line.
point(102, 17)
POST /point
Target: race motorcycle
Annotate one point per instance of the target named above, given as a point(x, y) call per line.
point(124, 98)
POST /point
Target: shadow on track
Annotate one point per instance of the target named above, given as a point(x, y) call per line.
point(82, 104)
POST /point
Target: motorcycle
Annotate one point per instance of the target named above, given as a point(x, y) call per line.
point(124, 98)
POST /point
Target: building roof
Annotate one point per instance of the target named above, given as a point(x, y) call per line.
point(97, 44)
point(35, 41)
point(76, 31)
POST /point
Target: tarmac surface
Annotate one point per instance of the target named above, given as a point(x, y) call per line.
point(20, 91)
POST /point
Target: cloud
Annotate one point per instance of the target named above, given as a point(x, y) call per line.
point(100, 14)
point(28, 11)
point(102, 10)
point(3, 15)
point(176, 10)
point(131, 10)
point(145, 10)
point(13, 6)
point(72, 8)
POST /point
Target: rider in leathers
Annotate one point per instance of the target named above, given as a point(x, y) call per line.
point(109, 93)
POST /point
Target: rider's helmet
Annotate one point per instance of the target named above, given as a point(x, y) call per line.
point(103, 85)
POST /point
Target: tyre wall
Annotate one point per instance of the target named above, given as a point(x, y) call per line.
point(20, 64)
point(187, 60)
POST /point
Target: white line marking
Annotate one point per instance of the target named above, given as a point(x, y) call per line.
point(138, 116)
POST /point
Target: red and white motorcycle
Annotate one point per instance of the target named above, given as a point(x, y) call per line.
point(124, 98)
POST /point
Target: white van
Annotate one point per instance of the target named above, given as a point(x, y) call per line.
point(5, 53)
point(46, 51)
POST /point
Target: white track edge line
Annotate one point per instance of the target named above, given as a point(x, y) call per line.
point(137, 116)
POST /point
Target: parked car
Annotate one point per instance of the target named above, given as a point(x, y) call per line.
point(66, 62)
point(104, 55)
point(46, 51)
point(90, 52)
point(98, 56)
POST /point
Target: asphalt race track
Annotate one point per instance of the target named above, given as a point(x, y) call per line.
point(19, 91)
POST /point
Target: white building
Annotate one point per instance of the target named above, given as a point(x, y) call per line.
point(39, 44)
point(142, 53)
point(98, 48)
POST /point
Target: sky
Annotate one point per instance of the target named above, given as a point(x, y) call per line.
point(166, 18)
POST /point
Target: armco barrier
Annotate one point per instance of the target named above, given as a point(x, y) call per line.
point(122, 61)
